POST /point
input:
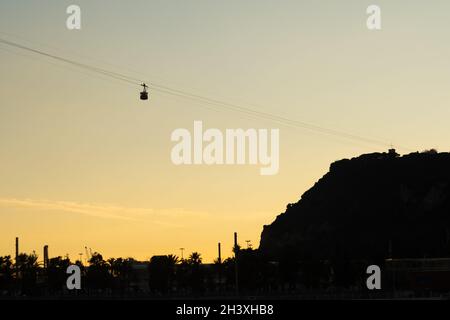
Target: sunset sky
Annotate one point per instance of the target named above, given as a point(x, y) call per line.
point(84, 162)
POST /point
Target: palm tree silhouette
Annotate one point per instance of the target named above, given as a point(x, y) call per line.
point(98, 276)
point(6, 275)
point(27, 267)
point(121, 271)
point(195, 259)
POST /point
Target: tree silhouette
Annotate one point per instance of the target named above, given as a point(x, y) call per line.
point(162, 273)
point(27, 267)
point(195, 259)
point(6, 275)
point(196, 274)
point(122, 274)
point(173, 259)
point(56, 274)
point(98, 277)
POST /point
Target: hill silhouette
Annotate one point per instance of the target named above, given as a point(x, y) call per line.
point(371, 207)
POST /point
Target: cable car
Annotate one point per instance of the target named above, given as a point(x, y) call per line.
point(144, 94)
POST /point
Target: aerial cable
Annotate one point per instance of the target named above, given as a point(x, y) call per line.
point(78, 64)
point(199, 98)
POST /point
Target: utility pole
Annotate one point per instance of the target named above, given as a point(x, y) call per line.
point(46, 258)
point(220, 253)
point(87, 255)
point(17, 251)
point(219, 266)
point(16, 266)
point(236, 254)
point(182, 249)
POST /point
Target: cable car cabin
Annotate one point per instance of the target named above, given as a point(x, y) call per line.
point(144, 94)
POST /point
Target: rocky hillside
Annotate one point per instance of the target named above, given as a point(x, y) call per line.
point(373, 206)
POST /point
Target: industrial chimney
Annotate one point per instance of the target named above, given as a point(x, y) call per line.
point(46, 256)
point(17, 249)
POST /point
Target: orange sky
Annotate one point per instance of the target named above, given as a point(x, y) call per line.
point(84, 162)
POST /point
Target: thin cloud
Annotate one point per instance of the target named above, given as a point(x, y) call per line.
point(165, 217)
point(105, 210)
point(67, 206)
